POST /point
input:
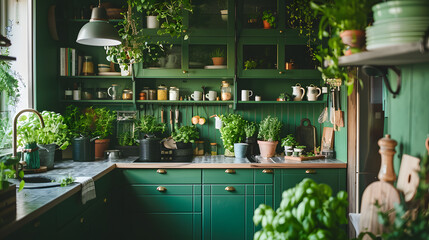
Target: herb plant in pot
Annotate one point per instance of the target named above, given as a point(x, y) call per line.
point(128, 145)
point(269, 130)
point(27, 138)
point(104, 119)
point(232, 131)
point(268, 19)
point(218, 57)
point(150, 147)
point(288, 142)
point(250, 131)
point(185, 136)
point(81, 125)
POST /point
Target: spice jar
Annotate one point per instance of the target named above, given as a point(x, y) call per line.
point(88, 66)
point(225, 91)
point(174, 94)
point(152, 94)
point(162, 92)
point(289, 65)
point(127, 94)
point(213, 148)
point(142, 95)
point(199, 148)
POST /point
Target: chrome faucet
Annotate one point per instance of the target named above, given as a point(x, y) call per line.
point(15, 120)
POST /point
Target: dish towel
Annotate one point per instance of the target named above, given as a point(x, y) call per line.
point(88, 188)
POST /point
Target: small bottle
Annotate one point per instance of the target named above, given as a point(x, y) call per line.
point(213, 149)
point(77, 92)
point(68, 94)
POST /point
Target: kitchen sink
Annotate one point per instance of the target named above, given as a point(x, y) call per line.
point(37, 182)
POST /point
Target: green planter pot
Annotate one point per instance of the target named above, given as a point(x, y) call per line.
point(32, 156)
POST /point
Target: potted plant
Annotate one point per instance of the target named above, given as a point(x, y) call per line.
point(268, 19)
point(128, 145)
point(232, 131)
point(307, 211)
point(104, 119)
point(27, 138)
point(281, 98)
point(81, 126)
point(185, 136)
point(288, 142)
point(298, 150)
point(7, 190)
point(250, 132)
point(269, 130)
point(218, 56)
point(150, 148)
point(250, 64)
point(55, 133)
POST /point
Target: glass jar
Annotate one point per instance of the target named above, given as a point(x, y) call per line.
point(142, 95)
point(162, 92)
point(226, 91)
point(213, 149)
point(88, 66)
point(127, 94)
point(152, 94)
point(174, 94)
point(199, 148)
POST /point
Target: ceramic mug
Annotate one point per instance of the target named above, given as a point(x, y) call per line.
point(313, 92)
point(211, 95)
point(257, 98)
point(246, 94)
point(113, 91)
point(197, 95)
point(298, 92)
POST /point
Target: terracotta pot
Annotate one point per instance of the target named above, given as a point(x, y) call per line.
point(101, 145)
point(218, 60)
point(267, 148)
point(353, 38)
point(266, 24)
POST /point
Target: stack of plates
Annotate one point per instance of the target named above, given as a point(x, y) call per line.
point(397, 22)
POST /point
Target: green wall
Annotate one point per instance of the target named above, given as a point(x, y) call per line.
point(408, 113)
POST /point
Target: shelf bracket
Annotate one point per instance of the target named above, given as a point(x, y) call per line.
point(373, 71)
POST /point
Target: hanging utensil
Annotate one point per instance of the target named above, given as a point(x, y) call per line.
point(332, 111)
point(337, 111)
point(171, 120)
point(324, 115)
point(162, 115)
point(176, 116)
point(341, 112)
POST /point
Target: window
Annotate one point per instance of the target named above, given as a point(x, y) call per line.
point(15, 76)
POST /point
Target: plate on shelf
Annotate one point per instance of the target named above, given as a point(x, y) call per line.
point(109, 74)
point(215, 67)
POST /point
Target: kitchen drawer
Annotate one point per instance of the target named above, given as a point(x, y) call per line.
point(234, 189)
point(227, 176)
point(140, 190)
point(265, 175)
point(162, 203)
point(162, 176)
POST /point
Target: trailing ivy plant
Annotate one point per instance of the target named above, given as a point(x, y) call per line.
point(232, 130)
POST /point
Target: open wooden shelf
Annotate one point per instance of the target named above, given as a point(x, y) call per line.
point(281, 102)
point(98, 101)
point(185, 102)
point(95, 77)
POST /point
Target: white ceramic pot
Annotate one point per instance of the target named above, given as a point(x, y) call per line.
point(125, 70)
point(152, 22)
point(288, 150)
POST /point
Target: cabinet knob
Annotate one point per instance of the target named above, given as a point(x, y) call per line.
point(230, 189)
point(268, 171)
point(105, 200)
point(82, 220)
point(161, 171)
point(281, 72)
point(161, 189)
point(310, 171)
point(184, 72)
point(230, 171)
point(281, 31)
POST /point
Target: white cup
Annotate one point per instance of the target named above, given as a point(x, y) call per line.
point(211, 95)
point(77, 95)
point(197, 95)
point(246, 94)
point(257, 98)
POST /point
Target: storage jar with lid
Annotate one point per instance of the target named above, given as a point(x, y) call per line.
point(127, 94)
point(152, 94)
point(88, 66)
point(174, 94)
point(162, 92)
point(213, 148)
point(226, 91)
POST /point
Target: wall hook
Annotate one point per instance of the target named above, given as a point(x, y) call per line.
point(373, 71)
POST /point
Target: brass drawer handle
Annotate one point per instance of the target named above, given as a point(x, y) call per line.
point(230, 171)
point(268, 171)
point(281, 72)
point(161, 189)
point(184, 72)
point(82, 220)
point(105, 200)
point(230, 189)
point(161, 171)
point(310, 171)
point(280, 31)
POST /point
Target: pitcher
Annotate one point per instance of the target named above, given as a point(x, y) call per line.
point(298, 92)
point(313, 92)
point(113, 91)
point(171, 61)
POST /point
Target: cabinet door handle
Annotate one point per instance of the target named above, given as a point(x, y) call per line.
point(82, 220)
point(184, 72)
point(281, 72)
point(281, 31)
point(161, 171)
point(230, 171)
point(230, 189)
point(267, 171)
point(310, 171)
point(161, 189)
point(105, 200)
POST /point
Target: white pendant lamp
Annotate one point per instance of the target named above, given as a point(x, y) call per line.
point(98, 31)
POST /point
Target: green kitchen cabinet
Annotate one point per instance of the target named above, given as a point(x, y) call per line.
point(288, 178)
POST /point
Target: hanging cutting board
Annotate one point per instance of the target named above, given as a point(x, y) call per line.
point(387, 196)
point(408, 179)
point(306, 135)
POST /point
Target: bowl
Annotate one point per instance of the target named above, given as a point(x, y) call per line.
point(400, 9)
point(103, 69)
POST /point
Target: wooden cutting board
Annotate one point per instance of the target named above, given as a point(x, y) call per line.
point(304, 158)
point(306, 135)
point(387, 196)
point(408, 179)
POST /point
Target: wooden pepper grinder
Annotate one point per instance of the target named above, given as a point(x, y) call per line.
point(387, 151)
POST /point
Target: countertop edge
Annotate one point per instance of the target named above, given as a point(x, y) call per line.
point(230, 165)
